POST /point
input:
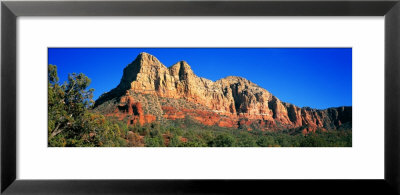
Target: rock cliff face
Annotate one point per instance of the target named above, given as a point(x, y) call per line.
point(149, 91)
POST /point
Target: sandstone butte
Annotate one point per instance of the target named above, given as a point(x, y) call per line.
point(149, 92)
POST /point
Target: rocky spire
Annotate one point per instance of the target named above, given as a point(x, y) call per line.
point(144, 63)
point(182, 70)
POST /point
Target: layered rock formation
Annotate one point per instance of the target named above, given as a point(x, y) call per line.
point(149, 91)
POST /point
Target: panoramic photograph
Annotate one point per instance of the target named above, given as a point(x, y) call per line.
point(199, 97)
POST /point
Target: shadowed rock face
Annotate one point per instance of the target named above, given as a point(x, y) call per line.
point(175, 92)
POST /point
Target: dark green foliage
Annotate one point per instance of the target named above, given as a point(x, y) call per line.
point(196, 142)
point(266, 141)
point(154, 141)
point(69, 121)
point(245, 139)
point(174, 141)
point(223, 140)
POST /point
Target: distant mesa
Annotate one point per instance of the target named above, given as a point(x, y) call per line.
point(150, 92)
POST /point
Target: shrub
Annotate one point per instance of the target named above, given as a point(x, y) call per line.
point(154, 141)
point(266, 141)
point(223, 140)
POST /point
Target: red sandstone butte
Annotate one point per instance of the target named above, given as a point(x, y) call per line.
point(149, 91)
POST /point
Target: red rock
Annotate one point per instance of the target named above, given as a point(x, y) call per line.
point(183, 139)
point(149, 118)
point(228, 102)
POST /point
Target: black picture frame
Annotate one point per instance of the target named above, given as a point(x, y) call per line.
point(11, 10)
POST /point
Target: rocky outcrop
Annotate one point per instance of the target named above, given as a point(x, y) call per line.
point(131, 110)
point(229, 102)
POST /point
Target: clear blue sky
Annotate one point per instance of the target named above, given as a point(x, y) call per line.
point(314, 77)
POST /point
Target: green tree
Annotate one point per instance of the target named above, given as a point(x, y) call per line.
point(224, 140)
point(154, 141)
point(313, 140)
point(69, 122)
point(246, 140)
point(67, 102)
point(174, 141)
point(196, 142)
point(266, 141)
